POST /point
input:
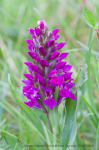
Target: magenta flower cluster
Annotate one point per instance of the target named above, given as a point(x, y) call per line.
point(47, 69)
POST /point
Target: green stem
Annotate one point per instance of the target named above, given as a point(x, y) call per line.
point(50, 128)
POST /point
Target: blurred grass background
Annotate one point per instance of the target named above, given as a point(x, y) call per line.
point(15, 19)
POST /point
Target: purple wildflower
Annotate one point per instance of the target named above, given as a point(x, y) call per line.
point(48, 69)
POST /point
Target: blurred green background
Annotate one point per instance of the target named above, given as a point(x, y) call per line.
point(16, 16)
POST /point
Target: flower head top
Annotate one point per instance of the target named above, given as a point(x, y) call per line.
point(47, 69)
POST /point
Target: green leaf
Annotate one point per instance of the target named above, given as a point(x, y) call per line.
point(53, 114)
point(94, 119)
point(86, 49)
point(69, 130)
point(81, 76)
point(90, 107)
point(89, 16)
point(31, 115)
point(97, 26)
point(97, 137)
point(10, 141)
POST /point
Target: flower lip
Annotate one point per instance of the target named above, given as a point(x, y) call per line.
point(56, 80)
point(64, 92)
point(50, 102)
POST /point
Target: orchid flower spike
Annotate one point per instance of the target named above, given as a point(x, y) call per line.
point(47, 70)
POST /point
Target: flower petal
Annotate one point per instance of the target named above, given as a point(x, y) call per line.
point(41, 25)
point(34, 67)
point(48, 93)
point(30, 42)
point(55, 31)
point(50, 42)
point(25, 89)
point(64, 92)
point(31, 31)
point(50, 103)
point(60, 65)
point(56, 80)
point(42, 50)
point(72, 96)
point(67, 76)
point(52, 73)
point(62, 56)
point(67, 68)
point(44, 62)
point(37, 31)
point(39, 78)
point(28, 76)
point(37, 105)
point(59, 46)
point(30, 103)
point(56, 36)
point(34, 55)
point(54, 55)
point(27, 82)
point(30, 47)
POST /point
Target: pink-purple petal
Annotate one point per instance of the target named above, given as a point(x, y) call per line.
point(55, 31)
point(67, 68)
point(30, 47)
point(56, 80)
point(55, 55)
point(72, 96)
point(50, 103)
point(27, 82)
point(37, 31)
point(67, 76)
point(34, 67)
point(50, 43)
point(31, 31)
point(28, 76)
point(52, 73)
point(30, 103)
point(64, 92)
point(62, 56)
point(42, 50)
point(60, 65)
point(30, 42)
point(56, 36)
point(44, 62)
point(41, 25)
point(33, 55)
